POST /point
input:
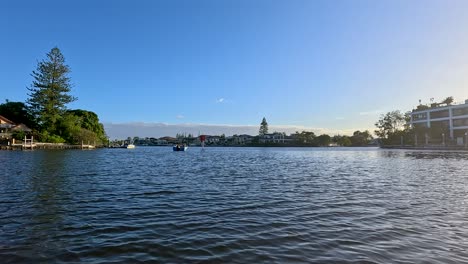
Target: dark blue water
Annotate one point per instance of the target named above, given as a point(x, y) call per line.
point(233, 205)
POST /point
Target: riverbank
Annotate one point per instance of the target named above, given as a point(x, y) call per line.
point(428, 147)
point(39, 145)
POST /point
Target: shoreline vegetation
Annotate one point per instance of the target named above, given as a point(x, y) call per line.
point(39, 145)
point(263, 139)
point(44, 118)
point(44, 122)
point(434, 126)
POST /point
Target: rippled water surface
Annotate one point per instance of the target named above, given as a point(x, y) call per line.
point(233, 205)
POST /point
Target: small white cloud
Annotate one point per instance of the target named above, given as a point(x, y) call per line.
point(220, 100)
point(180, 116)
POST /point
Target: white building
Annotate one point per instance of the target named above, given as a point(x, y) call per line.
point(450, 118)
point(272, 138)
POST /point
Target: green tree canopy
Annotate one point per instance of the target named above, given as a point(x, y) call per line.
point(390, 123)
point(323, 140)
point(344, 141)
point(17, 112)
point(361, 138)
point(305, 137)
point(90, 121)
point(263, 127)
point(49, 92)
point(394, 126)
point(45, 109)
point(79, 125)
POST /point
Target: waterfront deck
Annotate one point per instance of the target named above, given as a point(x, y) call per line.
point(39, 145)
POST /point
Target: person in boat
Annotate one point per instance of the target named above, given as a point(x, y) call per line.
point(178, 147)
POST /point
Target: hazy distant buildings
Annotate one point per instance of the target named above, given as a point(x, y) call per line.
point(241, 139)
point(274, 138)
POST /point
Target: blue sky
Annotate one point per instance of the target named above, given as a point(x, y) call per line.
point(330, 66)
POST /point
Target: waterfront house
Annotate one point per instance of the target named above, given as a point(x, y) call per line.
point(212, 140)
point(5, 127)
point(21, 127)
point(442, 124)
point(5, 121)
point(272, 138)
point(242, 139)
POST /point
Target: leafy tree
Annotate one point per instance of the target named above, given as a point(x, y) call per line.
point(305, 137)
point(341, 140)
point(49, 92)
point(17, 112)
point(85, 136)
point(68, 127)
point(361, 138)
point(72, 132)
point(344, 141)
point(51, 138)
point(394, 126)
point(77, 126)
point(18, 135)
point(263, 127)
point(90, 121)
point(323, 140)
point(389, 124)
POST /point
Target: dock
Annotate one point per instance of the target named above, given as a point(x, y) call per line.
point(44, 146)
point(29, 144)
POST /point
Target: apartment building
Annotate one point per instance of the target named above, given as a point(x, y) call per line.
point(450, 121)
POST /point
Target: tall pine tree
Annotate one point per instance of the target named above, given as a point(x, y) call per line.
point(263, 128)
point(49, 92)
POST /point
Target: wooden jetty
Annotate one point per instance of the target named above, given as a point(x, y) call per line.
point(29, 144)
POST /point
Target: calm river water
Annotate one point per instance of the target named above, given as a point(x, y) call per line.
point(234, 205)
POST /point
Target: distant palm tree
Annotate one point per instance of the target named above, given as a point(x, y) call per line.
point(448, 100)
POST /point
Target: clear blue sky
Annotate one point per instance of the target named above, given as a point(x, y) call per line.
point(329, 64)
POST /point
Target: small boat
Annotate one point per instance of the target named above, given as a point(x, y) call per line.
point(180, 148)
point(128, 146)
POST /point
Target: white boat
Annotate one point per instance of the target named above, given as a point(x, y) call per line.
point(128, 146)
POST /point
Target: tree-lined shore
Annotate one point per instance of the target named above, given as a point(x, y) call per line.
point(262, 139)
point(45, 111)
point(47, 119)
point(394, 128)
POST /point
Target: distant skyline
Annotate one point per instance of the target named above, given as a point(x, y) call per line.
point(331, 66)
point(140, 129)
